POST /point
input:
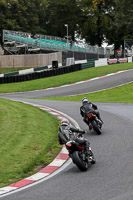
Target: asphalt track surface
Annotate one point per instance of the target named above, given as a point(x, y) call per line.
point(83, 87)
point(111, 178)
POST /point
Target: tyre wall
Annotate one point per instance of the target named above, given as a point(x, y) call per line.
point(43, 74)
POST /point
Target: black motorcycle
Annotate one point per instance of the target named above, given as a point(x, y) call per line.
point(96, 124)
point(79, 155)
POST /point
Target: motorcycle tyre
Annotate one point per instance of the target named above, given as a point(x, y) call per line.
point(96, 128)
point(82, 165)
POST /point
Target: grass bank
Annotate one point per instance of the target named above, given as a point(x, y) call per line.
point(122, 94)
point(28, 140)
point(63, 79)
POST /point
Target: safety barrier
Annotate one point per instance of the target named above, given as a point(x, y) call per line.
point(117, 60)
point(90, 63)
point(41, 74)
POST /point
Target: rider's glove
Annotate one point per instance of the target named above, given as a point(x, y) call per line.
point(84, 132)
point(80, 134)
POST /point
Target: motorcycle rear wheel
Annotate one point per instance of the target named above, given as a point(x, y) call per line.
point(81, 164)
point(96, 128)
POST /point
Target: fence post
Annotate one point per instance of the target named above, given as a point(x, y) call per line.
point(13, 63)
point(0, 67)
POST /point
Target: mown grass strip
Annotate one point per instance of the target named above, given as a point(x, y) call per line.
point(121, 94)
point(63, 79)
point(28, 140)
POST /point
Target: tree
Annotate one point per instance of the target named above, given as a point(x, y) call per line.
point(59, 13)
point(93, 20)
point(21, 15)
point(121, 23)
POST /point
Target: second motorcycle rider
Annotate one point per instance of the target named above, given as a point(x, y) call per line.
point(67, 131)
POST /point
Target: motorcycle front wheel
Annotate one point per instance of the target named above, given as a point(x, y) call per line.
point(96, 128)
point(78, 160)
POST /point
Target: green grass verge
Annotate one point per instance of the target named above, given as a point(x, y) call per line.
point(28, 140)
point(63, 79)
point(121, 94)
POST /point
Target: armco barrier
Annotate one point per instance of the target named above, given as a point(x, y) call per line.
point(43, 74)
point(11, 74)
point(90, 63)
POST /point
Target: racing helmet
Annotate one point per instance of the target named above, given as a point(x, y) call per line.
point(85, 100)
point(65, 122)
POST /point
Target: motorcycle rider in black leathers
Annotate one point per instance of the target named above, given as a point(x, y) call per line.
point(67, 131)
point(86, 108)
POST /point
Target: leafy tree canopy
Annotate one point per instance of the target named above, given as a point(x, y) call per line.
point(94, 20)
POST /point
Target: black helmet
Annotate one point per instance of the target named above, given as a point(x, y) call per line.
point(85, 100)
point(65, 122)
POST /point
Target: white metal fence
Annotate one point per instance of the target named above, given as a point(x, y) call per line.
point(48, 42)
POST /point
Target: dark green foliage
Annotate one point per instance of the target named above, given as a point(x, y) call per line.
point(120, 23)
point(21, 15)
point(94, 20)
point(60, 13)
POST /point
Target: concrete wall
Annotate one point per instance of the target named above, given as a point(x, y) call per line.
point(130, 59)
point(29, 60)
point(101, 62)
point(80, 61)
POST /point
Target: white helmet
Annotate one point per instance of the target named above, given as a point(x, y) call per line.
point(84, 100)
point(65, 122)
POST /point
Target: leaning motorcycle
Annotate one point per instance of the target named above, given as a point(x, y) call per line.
point(95, 122)
point(79, 155)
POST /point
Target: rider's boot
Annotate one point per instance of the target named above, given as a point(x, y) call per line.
point(99, 121)
point(91, 156)
point(99, 117)
point(88, 123)
point(90, 126)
